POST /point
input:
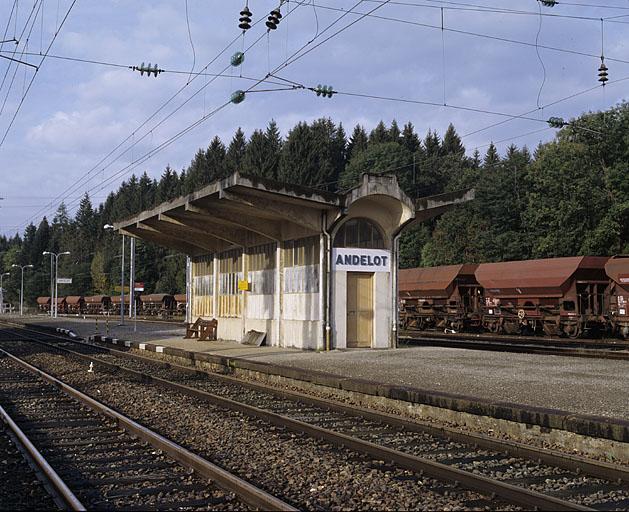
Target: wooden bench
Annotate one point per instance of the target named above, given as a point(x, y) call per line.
point(202, 330)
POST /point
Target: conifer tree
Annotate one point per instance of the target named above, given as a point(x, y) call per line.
point(357, 142)
point(409, 139)
point(236, 152)
point(379, 134)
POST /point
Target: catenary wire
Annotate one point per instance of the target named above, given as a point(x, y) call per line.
point(10, 86)
point(475, 34)
point(551, 104)
point(467, 7)
point(180, 134)
point(97, 167)
point(6, 133)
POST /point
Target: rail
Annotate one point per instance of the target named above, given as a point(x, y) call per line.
point(250, 494)
point(59, 488)
point(515, 494)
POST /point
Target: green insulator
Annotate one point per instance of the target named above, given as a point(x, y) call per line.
point(237, 59)
point(237, 97)
point(556, 122)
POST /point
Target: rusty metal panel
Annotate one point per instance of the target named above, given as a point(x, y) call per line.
point(43, 300)
point(155, 297)
point(73, 300)
point(617, 268)
point(538, 278)
point(115, 299)
point(435, 282)
point(97, 299)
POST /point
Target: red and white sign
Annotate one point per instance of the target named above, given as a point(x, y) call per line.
point(138, 287)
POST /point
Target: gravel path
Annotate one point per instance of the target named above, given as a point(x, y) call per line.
point(579, 385)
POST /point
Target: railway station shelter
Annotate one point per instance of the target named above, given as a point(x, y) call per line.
point(310, 269)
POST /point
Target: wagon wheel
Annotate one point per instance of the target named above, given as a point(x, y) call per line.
point(493, 327)
point(457, 325)
point(550, 328)
point(511, 326)
point(572, 330)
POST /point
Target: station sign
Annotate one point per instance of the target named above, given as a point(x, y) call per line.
point(361, 260)
point(119, 289)
point(64, 280)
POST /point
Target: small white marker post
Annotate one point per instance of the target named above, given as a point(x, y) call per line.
point(91, 370)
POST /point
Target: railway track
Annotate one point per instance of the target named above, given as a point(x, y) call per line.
point(597, 349)
point(529, 477)
point(23, 485)
point(96, 458)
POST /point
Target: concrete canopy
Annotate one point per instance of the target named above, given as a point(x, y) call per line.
point(242, 211)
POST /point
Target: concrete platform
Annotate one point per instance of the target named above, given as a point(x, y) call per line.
point(552, 391)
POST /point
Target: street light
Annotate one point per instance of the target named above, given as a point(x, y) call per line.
point(2, 276)
point(54, 292)
point(22, 285)
point(109, 226)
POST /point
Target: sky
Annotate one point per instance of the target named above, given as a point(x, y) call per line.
point(70, 127)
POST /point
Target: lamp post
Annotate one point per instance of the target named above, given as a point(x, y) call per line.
point(109, 226)
point(2, 276)
point(52, 281)
point(56, 288)
point(22, 285)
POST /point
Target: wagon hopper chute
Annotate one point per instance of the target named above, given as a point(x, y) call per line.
point(617, 268)
point(157, 304)
point(97, 304)
point(75, 304)
point(43, 304)
point(561, 296)
point(445, 297)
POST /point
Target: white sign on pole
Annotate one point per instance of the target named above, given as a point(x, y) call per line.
point(361, 260)
point(64, 280)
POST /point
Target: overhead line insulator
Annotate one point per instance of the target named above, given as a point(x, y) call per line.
point(237, 97)
point(155, 70)
point(237, 59)
point(602, 72)
point(245, 19)
point(274, 19)
point(323, 90)
point(556, 122)
point(548, 3)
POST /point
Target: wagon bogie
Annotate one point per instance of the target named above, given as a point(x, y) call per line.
point(157, 304)
point(617, 269)
point(441, 297)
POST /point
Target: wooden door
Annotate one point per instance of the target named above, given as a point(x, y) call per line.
point(359, 309)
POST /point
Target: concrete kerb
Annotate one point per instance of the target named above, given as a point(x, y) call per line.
point(460, 409)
